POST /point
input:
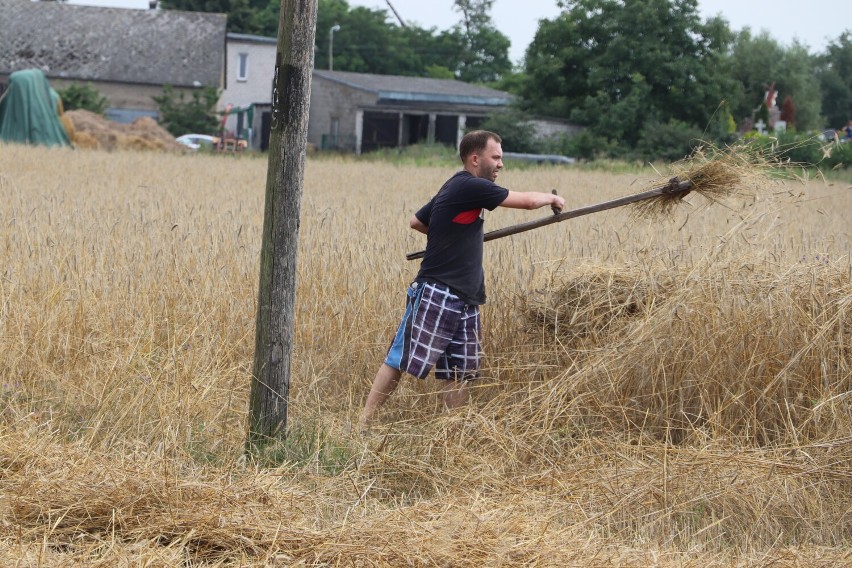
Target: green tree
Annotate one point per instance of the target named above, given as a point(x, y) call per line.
point(242, 14)
point(371, 41)
point(515, 129)
point(615, 65)
point(86, 97)
point(195, 115)
point(798, 79)
point(486, 50)
point(366, 42)
point(835, 76)
point(434, 49)
point(757, 61)
point(753, 63)
point(668, 141)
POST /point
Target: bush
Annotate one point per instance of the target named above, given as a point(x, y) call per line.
point(721, 130)
point(194, 116)
point(588, 146)
point(839, 157)
point(801, 149)
point(83, 97)
point(670, 141)
point(515, 129)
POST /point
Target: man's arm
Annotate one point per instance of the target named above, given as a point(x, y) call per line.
point(532, 200)
point(417, 225)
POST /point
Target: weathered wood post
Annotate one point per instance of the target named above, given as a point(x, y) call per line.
point(274, 332)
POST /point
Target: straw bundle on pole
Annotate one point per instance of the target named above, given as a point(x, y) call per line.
point(712, 174)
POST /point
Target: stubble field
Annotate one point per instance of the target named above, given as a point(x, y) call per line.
point(665, 392)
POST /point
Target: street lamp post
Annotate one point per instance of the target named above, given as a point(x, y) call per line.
point(334, 28)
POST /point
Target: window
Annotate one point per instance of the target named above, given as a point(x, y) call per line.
point(242, 67)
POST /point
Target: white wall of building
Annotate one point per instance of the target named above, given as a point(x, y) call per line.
point(250, 69)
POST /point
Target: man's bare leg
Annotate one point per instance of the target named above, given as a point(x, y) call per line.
point(454, 394)
point(386, 381)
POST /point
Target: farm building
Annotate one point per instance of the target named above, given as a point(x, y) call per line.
point(359, 112)
point(127, 55)
point(356, 112)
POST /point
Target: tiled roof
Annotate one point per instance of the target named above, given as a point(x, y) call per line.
point(393, 87)
point(248, 38)
point(112, 44)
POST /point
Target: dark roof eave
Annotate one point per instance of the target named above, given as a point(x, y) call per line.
point(249, 38)
point(349, 84)
point(452, 99)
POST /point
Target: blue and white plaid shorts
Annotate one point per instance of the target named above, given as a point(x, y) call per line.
point(438, 330)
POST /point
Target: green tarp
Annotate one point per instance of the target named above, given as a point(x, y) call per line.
point(235, 110)
point(29, 111)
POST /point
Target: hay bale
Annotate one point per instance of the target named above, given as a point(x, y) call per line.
point(85, 141)
point(713, 351)
point(146, 128)
point(589, 303)
point(143, 134)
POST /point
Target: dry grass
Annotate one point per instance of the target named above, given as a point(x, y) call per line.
point(655, 394)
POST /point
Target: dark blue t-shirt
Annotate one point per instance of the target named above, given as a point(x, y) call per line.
point(455, 218)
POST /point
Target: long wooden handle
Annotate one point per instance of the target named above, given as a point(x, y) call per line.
point(675, 186)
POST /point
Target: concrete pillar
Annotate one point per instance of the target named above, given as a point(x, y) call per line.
point(359, 130)
point(462, 125)
point(430, 135)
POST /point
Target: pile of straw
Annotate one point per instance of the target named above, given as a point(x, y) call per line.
point(92, 131)
point(589, 304)
point(72, 502)
point(715, 351)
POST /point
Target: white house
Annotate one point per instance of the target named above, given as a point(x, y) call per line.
point(250, 67)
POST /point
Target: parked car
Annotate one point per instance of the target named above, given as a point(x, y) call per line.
point(197, 141)
point(538, 158)
point(829, 135)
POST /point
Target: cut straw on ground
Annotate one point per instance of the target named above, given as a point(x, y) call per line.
point(653, 394)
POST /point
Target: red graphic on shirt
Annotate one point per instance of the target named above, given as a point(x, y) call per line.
point(467, 217)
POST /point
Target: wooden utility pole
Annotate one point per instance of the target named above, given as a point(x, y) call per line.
point(395, 13)
point(291, 92)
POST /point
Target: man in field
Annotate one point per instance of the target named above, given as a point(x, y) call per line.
point(440, 328)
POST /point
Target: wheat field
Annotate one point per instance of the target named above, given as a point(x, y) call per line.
point(656, 391)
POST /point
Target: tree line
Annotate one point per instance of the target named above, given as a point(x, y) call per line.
point(640, 76)
point(372, 41)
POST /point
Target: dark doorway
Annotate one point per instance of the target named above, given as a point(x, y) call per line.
point(446, 129)
point(265, 128)
point(473, 122)
point(380, 130)
point(417, 128)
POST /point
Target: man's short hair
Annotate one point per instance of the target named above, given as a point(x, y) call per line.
point(475, 142)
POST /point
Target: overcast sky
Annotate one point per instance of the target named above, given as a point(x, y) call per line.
point(813, 22)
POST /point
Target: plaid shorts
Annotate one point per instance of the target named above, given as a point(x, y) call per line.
point(438, 330)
